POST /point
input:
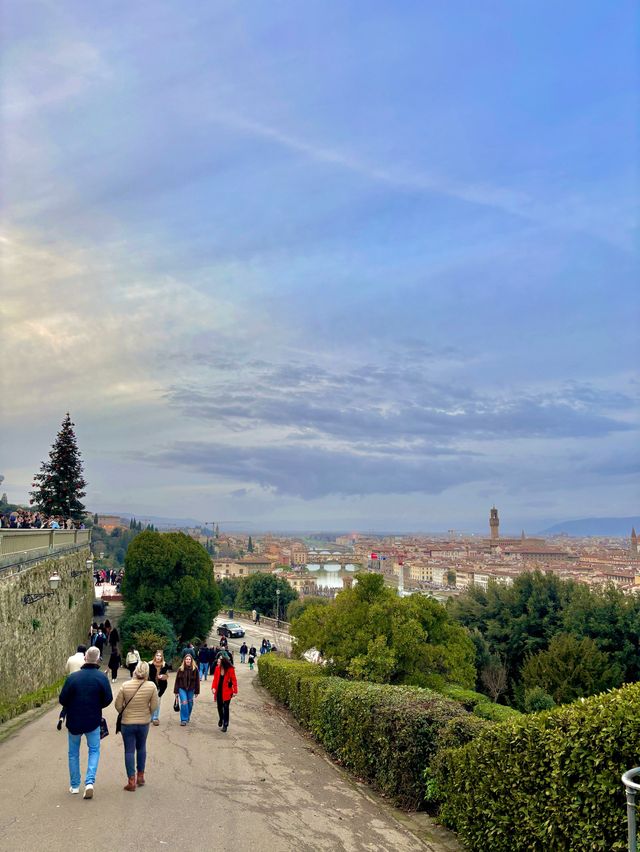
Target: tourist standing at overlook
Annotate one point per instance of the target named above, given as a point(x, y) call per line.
point(224, 687)
point(137, 700)
point(186, 686)
point(158, 674)
point(84, 696)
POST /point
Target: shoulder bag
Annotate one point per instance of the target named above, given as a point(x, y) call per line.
point(124, 706)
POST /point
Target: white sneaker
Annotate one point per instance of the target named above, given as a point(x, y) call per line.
point(88, 791)
point(74, 790)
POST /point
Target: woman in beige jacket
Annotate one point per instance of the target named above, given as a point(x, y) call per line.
point(137, 700)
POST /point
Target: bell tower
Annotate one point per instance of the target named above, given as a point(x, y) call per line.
point(494, 524)
point(634, 544)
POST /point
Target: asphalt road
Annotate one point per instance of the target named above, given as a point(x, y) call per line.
point(261, 786)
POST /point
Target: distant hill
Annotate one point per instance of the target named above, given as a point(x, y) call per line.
point(157, 520)
point(613, 527)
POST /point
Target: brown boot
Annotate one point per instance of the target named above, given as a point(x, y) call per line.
point(140, 779)
point(131, 784)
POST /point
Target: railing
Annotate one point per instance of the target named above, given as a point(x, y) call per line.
point(23, 541)
point(246, 616)
point(21, 548)
point(631, 789)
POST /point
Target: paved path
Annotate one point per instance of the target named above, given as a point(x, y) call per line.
point(262, 785)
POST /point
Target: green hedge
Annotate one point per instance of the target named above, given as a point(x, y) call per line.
point(548, 781)
point(479, 704)
point(386, 735)
point(11, 709)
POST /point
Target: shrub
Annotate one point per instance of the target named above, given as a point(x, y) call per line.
point(547, 781)
point(385, 734)
point(536, 699)
point(151, 629)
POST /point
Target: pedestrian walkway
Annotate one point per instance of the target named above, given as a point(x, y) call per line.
point(261, 786)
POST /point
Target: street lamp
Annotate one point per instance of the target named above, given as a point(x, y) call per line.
point(278, 607)
point(54, 582)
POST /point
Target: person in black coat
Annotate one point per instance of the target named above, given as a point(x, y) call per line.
point(158, 674)
point(84, 696)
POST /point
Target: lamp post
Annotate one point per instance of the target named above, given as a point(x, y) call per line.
point(277, 607)
point(54, 582)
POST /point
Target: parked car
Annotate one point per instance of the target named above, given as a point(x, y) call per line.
point(230, 628)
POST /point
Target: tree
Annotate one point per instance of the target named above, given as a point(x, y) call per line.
point(369, 633)
point(570, 669)
point(60, 485)
point(297, 607)
point(494, 678)
point(228, 588)
point(250, 545)
point(148, 631)
point(258, 591)
point(171, 573)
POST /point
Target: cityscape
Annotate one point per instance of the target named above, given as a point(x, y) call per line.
point(319, 505)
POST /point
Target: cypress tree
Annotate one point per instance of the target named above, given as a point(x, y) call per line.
point(59, 486)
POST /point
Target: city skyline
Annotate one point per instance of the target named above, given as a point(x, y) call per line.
point(308, 269)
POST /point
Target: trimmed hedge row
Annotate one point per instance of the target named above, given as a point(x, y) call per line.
point(479, 704)
point(548, 781)
point(386, 735)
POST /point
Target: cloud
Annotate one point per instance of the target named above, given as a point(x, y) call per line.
point(394, 402)
point(311, 472)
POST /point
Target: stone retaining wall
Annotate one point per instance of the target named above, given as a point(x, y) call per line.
point(37, 638)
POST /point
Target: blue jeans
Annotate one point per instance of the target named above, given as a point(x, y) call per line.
point(242, 656)
point(93, 742)
point(186, 704)
point(204, 668)
point(156, 712)
point(134, 738)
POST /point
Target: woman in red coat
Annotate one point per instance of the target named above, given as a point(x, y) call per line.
point(224, 687)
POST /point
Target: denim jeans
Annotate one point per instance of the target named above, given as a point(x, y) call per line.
point(156, 712)
point(242, 656)
point(134, 738)
point(204, 669)
point(93, 742)
point(186, 704)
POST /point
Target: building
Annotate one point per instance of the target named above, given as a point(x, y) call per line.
point(494, 524)
point(112, 522)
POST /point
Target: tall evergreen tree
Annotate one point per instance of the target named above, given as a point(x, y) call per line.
point(59, 486)
point(250, 545)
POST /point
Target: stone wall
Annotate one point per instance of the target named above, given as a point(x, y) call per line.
point(37, 638)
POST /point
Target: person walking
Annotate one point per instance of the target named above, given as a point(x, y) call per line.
point(84, 696)
point(252, 657)
point(243, 652)
point(158, 674)
point(204, 659)
point(132, 660)
point(224, 687)
point(76, 661)
point(254, 615)
point(137, 700)
point(186, 687)
point(263, 647)
point(115, 661)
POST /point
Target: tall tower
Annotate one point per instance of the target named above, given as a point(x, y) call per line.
point(634, 543)
point(494, 524)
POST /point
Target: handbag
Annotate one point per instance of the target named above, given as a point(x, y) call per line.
point(176, 704)
point(124, 706)
point(104, 728)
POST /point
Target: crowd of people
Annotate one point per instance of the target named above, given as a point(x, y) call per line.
point(88, 690)
point(23, 519)
point(108, 575)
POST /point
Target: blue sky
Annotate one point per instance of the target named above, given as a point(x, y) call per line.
point(350, 265)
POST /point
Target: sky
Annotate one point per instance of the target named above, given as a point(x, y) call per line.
point(325, 265)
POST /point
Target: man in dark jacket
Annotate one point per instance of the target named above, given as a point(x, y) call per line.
point(204, 659)
point(84, 695)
